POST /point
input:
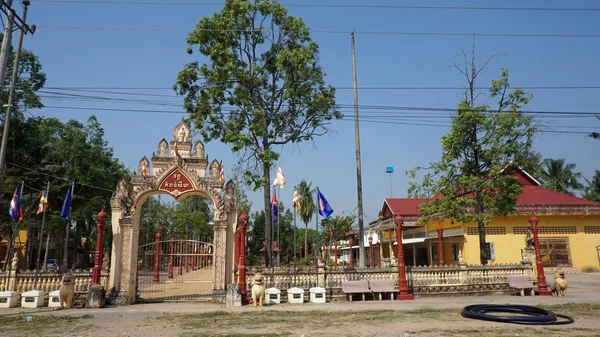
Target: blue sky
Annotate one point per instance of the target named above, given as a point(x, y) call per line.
point(77, 57)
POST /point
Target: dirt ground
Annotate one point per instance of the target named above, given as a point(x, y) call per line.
point(433, 316)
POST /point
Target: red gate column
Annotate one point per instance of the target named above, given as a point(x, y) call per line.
point(440, 231)
point(170, 274)
point(236, 249)
point(402, 288)
point(100, 224)
point(180, 257)
point(371, 251)
point(242, 279)
point(542, 285)
point(157, 259)
point(379, 254)
point(335, 253)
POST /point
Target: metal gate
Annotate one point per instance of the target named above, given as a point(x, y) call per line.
point(175, 270)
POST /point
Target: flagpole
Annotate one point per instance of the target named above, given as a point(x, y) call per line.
point(278, 243)
point(10, 249)
point(294, 231)
point(66, 251)
point(317, 227)
point(41, 233)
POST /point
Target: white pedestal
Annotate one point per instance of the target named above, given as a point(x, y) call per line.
point(9, 299)
point(295, 295)
point(53, 299)
point(273, 296)
point(317, 295)
point(33, 299)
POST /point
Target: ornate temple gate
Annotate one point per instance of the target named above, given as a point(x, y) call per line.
point(184, 272)
point(180, 172)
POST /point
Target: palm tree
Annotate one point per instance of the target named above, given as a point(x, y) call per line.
point(558, 176)
point(307, 206)
point(593, 189)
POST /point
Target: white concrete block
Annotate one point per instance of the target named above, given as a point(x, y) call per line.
point(317, 295)
point(273, 296)
point(295, 295)
point(53, 299)
point(33, 299)
point(9, 299)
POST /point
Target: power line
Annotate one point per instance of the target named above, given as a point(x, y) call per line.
point(57, 177)
point(534, 87)
point(344, 32)
point(320, 5)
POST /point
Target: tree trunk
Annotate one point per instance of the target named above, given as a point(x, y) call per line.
point(268, 216)
point(305, 238)
point(483, 251)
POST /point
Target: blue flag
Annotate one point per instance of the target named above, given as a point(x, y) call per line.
point(15, 210)
point(274, 212)
point(66, 209)
point(324, 208)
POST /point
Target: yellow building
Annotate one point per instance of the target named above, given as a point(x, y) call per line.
point(569, 230)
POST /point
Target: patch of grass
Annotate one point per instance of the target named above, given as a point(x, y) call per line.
point(574, 309)
point(43, 325)
point(285, 334)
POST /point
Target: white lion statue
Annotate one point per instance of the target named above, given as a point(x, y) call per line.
point(258, 289)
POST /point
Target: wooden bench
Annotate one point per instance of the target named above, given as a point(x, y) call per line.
point(383, 286)
point(520, 283)
point(355, 287)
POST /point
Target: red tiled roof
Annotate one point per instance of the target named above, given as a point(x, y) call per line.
point(532, 194)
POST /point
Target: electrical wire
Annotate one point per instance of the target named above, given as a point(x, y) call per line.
point(519, 314)
point(322, 31)
point(57, 177)
point(321, 5)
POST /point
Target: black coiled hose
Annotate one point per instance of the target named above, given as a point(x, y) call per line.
point(519, 314)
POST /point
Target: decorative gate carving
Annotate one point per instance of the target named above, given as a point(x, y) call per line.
point(180, 172)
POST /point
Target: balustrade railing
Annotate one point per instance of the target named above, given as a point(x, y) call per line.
point(22, 281)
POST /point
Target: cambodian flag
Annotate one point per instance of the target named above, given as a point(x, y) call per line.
point(274, 212)
point(15, 210)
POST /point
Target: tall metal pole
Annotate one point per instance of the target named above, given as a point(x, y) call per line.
point(278, 242)
point(15, 75)
point(361, 239)
point(41, 233)
point(6, 42)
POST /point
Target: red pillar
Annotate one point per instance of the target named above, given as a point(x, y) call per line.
point(170, 274)
point(335, 253)
point(306, 252)
point(287, 256)
point(542, 285)
point(242, 267)
point(100, 224)
point(236, 249)
point(157, 259)
point(180, 257)
point(314, 254)
point(371, 251)
point(187, 257)
point(378, 254)
point(402, 288)
point(440, 231)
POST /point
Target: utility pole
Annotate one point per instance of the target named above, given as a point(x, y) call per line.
point(6, 41)
point(13, 83)
point(361, 234)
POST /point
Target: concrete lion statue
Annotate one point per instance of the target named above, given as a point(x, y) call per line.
point(67, 291)
point(560, 284)
point(258, 289)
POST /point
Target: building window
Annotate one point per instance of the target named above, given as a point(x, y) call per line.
point(455, 251)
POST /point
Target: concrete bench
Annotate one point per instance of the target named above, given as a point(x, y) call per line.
point(520, 283)
point(355, 287)
point(383, 286)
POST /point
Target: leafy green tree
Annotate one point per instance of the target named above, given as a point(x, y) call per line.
point(260, 88)
point(336, 228)
point(592, 191)
point(466, 184)
point(558, 176)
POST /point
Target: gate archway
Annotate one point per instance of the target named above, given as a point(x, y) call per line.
point(179, 170)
